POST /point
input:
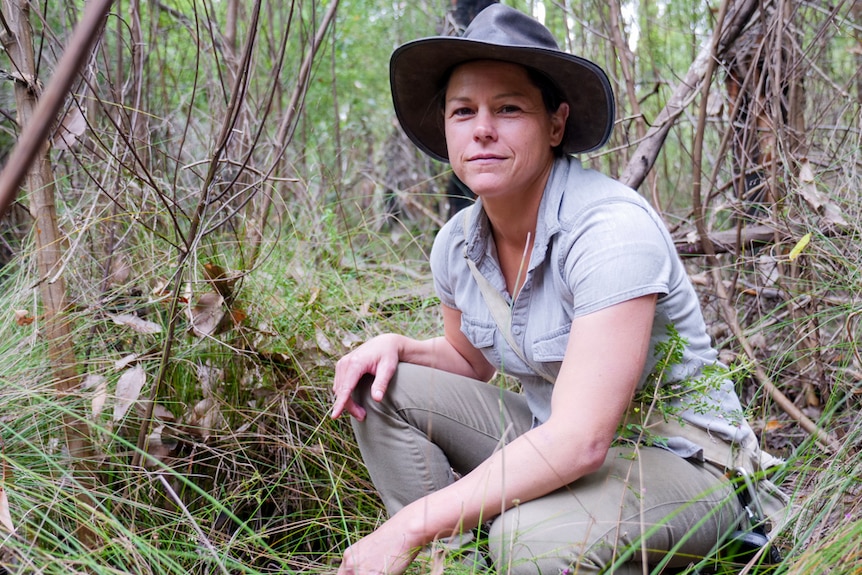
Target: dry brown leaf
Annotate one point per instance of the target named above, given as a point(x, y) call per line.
point(137, 324)
point(222, 280)
point(205, 417)
point(159, 447)
point(23, 317)
point(71, 128)
point(773, 425)
point(99, 385)
point(161, 289)
point(5, 515)
point(315, 293)
point(350, 339)
point(238, 316)
point(323, 343)
point(163, 413)
point(129, 388)
point(808, 188)
point(120, 270)
point(123, 362)
point(206, 315)
point(210, 377)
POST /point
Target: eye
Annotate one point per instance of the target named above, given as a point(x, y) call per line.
point(509, 109)
point(461, 111)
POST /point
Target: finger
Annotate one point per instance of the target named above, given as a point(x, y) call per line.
point(349, 406)
point(355, 410)
point(343, 402)
point(385, 371)
point(342, 386)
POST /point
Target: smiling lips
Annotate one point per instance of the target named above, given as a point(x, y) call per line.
point(484, 158)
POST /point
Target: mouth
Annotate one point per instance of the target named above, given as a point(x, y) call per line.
point(484, 158)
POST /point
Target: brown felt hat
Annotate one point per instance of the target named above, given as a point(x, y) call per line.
point(418, 69)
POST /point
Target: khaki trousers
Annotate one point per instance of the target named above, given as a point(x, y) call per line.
point(644, 506)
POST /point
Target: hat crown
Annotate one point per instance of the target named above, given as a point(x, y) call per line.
point(500, 24)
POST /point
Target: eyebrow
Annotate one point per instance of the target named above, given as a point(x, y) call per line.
point(502, 96)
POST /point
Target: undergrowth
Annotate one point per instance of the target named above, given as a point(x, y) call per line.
point(243, 471)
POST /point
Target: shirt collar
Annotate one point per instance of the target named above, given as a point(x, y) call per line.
point(548, 224)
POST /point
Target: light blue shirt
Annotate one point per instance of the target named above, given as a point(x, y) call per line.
point(598, 243)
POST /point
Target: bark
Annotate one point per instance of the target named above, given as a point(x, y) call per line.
point(644, 157)
point(17, 38)
point(827, 441)
point(230, 45)
point(138, 124)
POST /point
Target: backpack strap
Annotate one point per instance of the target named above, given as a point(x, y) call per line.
point(500, 310)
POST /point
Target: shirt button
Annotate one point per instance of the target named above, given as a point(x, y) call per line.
point(516, 330)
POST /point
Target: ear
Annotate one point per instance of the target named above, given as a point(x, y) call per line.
point(558, 124)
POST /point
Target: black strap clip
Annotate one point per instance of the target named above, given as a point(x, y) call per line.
point(745, 545)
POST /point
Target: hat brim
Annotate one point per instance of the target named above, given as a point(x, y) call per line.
point(417, 69)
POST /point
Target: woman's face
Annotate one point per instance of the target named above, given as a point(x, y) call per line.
point(499, 135)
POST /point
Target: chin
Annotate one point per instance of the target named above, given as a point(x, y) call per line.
point(483, 184)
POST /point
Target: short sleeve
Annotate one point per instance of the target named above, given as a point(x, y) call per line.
point(441, 256)
point(617, 253)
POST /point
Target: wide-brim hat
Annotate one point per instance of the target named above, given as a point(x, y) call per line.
point(417, 71)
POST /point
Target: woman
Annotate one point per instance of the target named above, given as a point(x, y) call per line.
point(591, 293)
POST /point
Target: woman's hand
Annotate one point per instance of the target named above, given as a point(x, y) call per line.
point(378, 357)
point(389, 550)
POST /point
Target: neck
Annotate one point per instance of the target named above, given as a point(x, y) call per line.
point(514, 231)
point(513, 217)
point(511, 224)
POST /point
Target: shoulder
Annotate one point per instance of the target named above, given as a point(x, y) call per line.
point(594, 208)
point(611, 245)
point(447, 255)
point(451, 236)
point(588, 192)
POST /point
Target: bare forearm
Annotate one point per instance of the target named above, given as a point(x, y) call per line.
point(522, 471)
point(589, 399)
point(437, 353)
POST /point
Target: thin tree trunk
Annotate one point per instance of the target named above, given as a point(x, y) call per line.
point(57, 329)
point(138, 128)
point(230, 43)
point(627, 66)
point(647, 152)
point(288, 126)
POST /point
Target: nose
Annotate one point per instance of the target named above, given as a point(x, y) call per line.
point(485, 129)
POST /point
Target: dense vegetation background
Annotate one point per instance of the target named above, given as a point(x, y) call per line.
point(228, 206)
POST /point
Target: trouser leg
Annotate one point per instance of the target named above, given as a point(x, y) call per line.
point(640, 504)
point(430, 423)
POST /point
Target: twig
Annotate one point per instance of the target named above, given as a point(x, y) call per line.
point(848, 325)
point(193, 237)
point(203, 538)
point(37, 129)
point(644, 157)
point(828, 442)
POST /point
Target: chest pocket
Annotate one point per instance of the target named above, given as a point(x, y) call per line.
point(551, 347)
point(481, 335)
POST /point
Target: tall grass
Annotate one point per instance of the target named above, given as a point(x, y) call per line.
point(268, 483)
point(245, 472)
